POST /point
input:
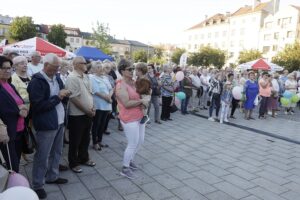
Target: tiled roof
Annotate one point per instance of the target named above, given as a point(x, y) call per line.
point(128, 42)
point(297, 7)
point(248, 9)
point(214, 18)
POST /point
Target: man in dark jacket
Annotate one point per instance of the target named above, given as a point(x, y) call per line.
point(45, 94)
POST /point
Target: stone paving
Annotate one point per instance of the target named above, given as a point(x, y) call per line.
point(191, 158)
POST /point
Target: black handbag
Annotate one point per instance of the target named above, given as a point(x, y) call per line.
point(29, 142)
point(173, 108)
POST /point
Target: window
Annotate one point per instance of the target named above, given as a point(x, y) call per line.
point(232, 44)
point(195, 46)
point(216, 45)
point(233, 32)
point(77, 40)
point(244, 21)
point(241, 43)
point(195, 37)
point(267, 37)
point(231, 54)
point(2, 31)
point(266, 49)
point(242, 31)
point(290, 34)
point(224, 33)
point(189, 46)
point(71, 40)
point(268, 25)
point(190, 37)
point(216, 34)
point(279, 22)
point(202, 36)
point(276, 36)
point(208, 35)
point(223, 44)
point(253, 19)
point(274, 48)
point(286, 22)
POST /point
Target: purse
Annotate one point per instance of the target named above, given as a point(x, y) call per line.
point(173, 106)
point(29, 141)
point(3, 174)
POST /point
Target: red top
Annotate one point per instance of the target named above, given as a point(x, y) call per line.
point(129, 114)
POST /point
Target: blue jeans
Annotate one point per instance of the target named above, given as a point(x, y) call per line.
point(184, 104)
point(47, 156)
point(215, 104)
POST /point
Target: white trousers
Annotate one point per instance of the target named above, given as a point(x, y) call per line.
point(224, 111)
point(135, 134)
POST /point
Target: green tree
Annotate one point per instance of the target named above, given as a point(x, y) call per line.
point(208, 56)
point(57, 35)
point(140, 56)
point(289, 57)
point(249, 55)
point(101, 37)
point(158, 52)
point(176, 55)
point(22, 28)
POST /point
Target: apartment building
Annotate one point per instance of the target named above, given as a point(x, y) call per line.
point(250, 27)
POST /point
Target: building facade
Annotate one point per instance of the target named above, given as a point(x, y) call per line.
point(4, 25)
point(249, 27)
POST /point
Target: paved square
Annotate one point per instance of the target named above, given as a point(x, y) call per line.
point(193, 158)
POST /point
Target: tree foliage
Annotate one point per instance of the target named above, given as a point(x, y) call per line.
point(158, 52)
point(57, 35)
point(289, 57)
point(176, 55)
point(101, 36)
point(207, 56)
point(22, 28)
point(249, 55)
point(140, 56)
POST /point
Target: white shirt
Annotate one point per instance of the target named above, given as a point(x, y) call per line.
point(195, 80)
point(33, 69)
point(275, 85)
point(205, 81)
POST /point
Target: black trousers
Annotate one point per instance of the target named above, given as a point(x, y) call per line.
point(166, 108)
point(99, 124)
point(15, 150)
point(79, 139)
point(263, 106)
point(235, 104)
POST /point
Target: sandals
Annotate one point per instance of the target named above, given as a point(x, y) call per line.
point(103, 145)
point(76, 169)
point(89, 163)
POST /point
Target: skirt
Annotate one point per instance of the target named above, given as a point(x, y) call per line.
point(273, 103)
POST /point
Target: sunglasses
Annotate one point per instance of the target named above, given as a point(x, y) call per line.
point(130, 69)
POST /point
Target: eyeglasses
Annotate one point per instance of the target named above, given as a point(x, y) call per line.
point(6, 68)
point(130, 69)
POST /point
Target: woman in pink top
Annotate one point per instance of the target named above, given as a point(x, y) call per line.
point(130, 114)
point(265, 93)
point(12, 113)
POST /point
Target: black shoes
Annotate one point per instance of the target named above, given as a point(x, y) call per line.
point(41, 193)
point(58, 181)
point(62, 168)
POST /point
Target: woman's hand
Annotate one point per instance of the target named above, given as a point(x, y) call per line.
point(23, 110)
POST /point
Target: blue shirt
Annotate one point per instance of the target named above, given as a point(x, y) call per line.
point(100, 84)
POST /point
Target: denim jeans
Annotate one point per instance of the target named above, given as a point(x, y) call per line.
point(135, 133)
point(184, 104)
point(155, 101)
point(47, 156)
point(215, 104)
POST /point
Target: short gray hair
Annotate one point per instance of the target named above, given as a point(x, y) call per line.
point(34, 53)
point(18, 59)
point(50, 58)
point(96, 65)
point(166, 67)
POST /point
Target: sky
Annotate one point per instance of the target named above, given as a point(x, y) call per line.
point(150, 22)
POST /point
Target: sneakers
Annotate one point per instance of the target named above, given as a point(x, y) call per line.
point(132, 166)
point(126, 171)
point(226, 120)
point(221, 121)
point(58, 181)
point(41, 193)
point(211, 119)
point(144, 120)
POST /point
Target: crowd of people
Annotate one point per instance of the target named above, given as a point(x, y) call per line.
point(54, 98)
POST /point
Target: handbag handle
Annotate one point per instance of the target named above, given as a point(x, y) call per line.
point(10, 169)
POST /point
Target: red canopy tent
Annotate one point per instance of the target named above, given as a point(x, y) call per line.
point(260, 64)
point(25, 47)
